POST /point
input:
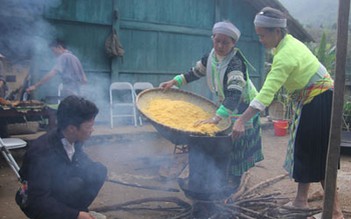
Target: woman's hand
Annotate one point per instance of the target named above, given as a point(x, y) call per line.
point(84, 215)
point(238, 129)
point(31, 88)
point(214, 120)
point(168, 84)
point(239, 125)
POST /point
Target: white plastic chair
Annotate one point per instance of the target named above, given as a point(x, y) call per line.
point(139, 87)
point(7, 144)
point(123, 104)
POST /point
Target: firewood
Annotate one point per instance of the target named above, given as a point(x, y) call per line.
point(185, 206)
point(242, 187)
point(159, 188)
point(235, 212)
point(263, 184)
point(236, 209)
point(269, 197)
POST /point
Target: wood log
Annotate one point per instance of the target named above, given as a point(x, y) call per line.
point(333, 155)
point(262, 185)
point(246, 211)
point(270, 197)
point(242, 187)
point(186, 206)
point(166, 189)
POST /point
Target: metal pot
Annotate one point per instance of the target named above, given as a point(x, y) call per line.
point(209, 159)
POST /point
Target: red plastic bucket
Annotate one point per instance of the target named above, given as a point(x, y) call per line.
point(280, 127)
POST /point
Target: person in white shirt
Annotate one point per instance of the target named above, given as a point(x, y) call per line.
point(61, 180)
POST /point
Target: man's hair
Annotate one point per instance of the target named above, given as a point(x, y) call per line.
point(57, 42)
point(74, 110)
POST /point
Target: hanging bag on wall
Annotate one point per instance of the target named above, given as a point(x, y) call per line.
point(113, 46)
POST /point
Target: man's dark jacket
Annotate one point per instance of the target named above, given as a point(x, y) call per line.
point(59, 188)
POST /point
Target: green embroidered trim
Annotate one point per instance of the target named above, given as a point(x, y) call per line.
point(223, 112)
point(179, 80)
point(250, 92)
point(245, 59)
point(216, 77)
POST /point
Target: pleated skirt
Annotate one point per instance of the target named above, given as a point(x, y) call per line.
point(312, 139)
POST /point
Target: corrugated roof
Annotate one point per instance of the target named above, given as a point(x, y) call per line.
point(295, 28)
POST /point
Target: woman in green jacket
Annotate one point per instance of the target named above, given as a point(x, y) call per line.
point(311, 89)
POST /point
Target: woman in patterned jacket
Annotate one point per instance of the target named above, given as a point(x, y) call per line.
point(226, 71)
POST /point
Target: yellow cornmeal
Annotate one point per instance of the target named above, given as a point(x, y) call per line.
point(180, 115)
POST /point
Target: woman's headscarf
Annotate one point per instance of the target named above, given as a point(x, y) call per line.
point(262, 20)
point(226, 28)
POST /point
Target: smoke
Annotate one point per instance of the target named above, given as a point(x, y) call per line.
point(24, 37)
point(22, 27)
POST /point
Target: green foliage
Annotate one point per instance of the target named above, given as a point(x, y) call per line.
point(325, 52)
point(347, 116)
point(321, 53)
point(283, 97)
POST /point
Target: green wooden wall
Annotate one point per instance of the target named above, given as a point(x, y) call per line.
point(84, 26)
point(164, 38)
point(161, 38)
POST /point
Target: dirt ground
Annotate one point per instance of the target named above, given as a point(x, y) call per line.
point(139, 159)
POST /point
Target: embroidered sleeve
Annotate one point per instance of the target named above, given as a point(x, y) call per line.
point(180, 80)
point(236, 81)
point(235, 84)
point(198, 71)
point(223, 112)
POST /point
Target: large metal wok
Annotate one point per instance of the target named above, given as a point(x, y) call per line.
point(174, 135)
